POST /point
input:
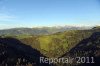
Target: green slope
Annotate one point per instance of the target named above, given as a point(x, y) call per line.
point(55, 45)
point(63, 44)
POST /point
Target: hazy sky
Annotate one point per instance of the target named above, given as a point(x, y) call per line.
point(30, 13)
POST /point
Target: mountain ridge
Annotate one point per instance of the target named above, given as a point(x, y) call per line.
point(40, 30)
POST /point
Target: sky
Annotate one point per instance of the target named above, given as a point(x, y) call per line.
point(34, 13)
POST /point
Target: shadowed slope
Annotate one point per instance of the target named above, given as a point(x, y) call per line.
point(89, 47)
point(13, 52)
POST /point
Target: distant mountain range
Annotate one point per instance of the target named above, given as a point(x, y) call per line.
point(40, 30)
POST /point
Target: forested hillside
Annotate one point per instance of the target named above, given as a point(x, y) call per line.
point(28, 48)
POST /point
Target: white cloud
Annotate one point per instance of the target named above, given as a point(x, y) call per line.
point(8, 26)
point(4, 26)
point(6, 17)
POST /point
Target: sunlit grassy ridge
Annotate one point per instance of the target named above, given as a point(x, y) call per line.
point(44, 41)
